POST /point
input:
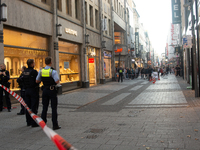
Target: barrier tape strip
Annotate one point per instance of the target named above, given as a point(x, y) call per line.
point(61, 143)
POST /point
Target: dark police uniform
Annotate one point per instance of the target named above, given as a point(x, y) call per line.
point(49, 76)
point(31, 93)
point(120, 70)
point(21, 85)
point(4, 81)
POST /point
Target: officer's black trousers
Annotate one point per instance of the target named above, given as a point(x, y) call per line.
point(46, 96)
point(32, 100)
point(8, 103)
point(120, 77)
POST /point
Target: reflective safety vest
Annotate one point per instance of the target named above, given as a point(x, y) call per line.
point(47, 79)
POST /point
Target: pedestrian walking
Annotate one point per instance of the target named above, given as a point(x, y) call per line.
point(4, 78)
point(31, 91)
point(124, 73)
point(136, 72)
point(22, 87)
point(120, 71)
point(50, 79)
point(142, 73)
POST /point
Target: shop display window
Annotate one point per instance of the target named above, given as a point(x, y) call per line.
point(26, 40)
point(107, 65)
point(15, 58)
point(69, 62)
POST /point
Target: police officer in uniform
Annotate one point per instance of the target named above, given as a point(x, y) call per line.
point(31, 91)
point(120, 71)
point(50, 78)
point(4, 77)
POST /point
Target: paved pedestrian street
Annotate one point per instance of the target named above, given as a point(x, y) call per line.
point(132, 115)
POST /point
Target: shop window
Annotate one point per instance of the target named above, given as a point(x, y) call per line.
point(107, 65)
point(91, 16)
point(59, 5)
point(25, 40)
point(18, 48)
point(69, 62)
point(68, 7)
point(15, 58)
point(68, 47)
point(118, 38)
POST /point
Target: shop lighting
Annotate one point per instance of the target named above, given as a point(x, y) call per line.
point(59, 30)
point(3, 11)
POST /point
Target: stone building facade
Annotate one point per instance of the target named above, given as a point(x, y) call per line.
point(84, 55)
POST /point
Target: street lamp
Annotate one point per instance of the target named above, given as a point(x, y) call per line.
point(3, 12)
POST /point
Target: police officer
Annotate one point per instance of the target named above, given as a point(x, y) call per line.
point(21, 85)
point(4, 77)
point(120, 71)
point(50, 78)
point(32, 91)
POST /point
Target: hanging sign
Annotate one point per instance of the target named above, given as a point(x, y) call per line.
point(176, 12)
point(137, 43)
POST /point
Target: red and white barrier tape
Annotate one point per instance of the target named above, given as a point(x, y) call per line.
point(61, 143)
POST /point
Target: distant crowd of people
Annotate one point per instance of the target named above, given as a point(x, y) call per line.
point(145, 73)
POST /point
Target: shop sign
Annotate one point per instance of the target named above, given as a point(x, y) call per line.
point(176, 12)
point(91, 60)
point(137, 42)
point(107, 54)
point(66, 64)
point(70, 31)
point(187, 43)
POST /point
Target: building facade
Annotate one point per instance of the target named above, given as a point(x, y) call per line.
point(82, 37)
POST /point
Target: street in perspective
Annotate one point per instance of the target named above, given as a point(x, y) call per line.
point(99, 75)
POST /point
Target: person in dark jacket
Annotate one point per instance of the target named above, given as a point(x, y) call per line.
point(32, 91)
point(4, 78)
point(21, 85)
point(120, 71)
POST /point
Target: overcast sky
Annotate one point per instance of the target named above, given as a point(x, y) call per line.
point(156, 17)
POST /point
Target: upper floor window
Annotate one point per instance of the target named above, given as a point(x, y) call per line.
point(68, 7)
point(44, 1)
point(59, 5)
point(91, 16)
point(97, 19)
point(77, 9)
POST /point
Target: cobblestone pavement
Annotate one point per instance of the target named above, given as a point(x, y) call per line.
point(132, 115)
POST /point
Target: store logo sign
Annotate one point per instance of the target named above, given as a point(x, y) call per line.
point(70, 31)
point(91, 60)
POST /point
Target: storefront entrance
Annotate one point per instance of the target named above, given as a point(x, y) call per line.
point(92, 71)
point(93, 66)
